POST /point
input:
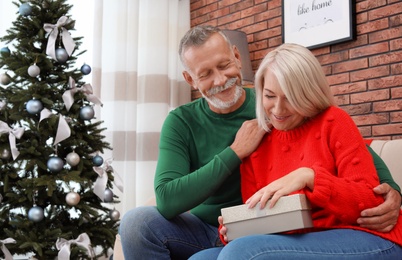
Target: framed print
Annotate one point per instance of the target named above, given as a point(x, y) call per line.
point(317, 23)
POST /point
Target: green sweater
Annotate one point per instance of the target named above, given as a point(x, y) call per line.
point(196, 169)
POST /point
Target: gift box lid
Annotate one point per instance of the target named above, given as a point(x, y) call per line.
point(285, 204)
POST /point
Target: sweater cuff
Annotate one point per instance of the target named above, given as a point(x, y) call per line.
point(230, 158)
point(322, 187)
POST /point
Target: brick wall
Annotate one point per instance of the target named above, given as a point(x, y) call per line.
point(365, 74)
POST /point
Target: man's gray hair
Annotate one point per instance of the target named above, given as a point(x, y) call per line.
point(197, 36)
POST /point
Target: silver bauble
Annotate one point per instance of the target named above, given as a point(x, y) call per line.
point(34, 106)
point(61, 55)
point(35, 214)
point(4, 79)
point(55, 164)
point(5, 154)
point(87, 113)
point(73, 159)
point(108, 195)
point(33, 70)
point(114, 215)
point(73, 198)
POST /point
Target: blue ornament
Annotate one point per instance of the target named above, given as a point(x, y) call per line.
point(97, 160)
point(34, 106)
point(55, 164)
point(61, 55)
point(87, 113)
point(5, 51)
point(25, 9)
point(85, 69)
point(36, 214)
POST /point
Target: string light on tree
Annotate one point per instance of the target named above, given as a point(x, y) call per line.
point(5, 154)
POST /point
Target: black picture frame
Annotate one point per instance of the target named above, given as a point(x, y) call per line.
point(318, 23)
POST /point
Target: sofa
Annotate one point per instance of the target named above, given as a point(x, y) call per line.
point(389, 150)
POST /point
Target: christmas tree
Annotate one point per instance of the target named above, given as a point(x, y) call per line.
point(55, 186)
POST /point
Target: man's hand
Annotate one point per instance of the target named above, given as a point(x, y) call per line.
point(247, 139)
point(383, 217)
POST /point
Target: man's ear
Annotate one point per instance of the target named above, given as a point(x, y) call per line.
point(187, 77)
point(236, 53)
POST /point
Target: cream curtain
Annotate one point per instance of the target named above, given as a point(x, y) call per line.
point(137, 74)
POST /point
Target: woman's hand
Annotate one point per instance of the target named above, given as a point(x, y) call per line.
point(293, 181)
point(222, 229)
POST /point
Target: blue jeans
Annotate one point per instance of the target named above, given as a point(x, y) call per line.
point(146, 234)
point(330, 244)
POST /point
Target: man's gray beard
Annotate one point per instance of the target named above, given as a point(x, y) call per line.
point(219, 104)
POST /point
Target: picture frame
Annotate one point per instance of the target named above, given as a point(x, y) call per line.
point(318, 23)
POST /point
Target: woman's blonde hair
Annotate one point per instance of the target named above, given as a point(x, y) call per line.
point(300, 77)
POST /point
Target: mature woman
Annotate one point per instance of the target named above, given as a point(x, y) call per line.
point(314, 148)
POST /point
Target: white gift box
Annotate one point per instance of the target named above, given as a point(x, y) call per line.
point(289, 213)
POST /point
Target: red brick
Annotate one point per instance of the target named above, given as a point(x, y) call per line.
point(253, 10)
point(372, 26)
point(349, 88)
point(396, 117)
point(396, 93)
point(371, 119)
point(396, 69)
point(333, 57)
point(385, 11)
point(342, 100)
point(370, 4)
point(369, 73)
point(369, 50)
point(357, 109)
point(387, 58)
point(228, 18)
point(385, 82)
point(365, 131)
point(365, 97)
point(389, 129)
point(390, 105)
point(395, 44)
point(350, 65)
point(338, 79)
point(395, 20)
point(384, 35)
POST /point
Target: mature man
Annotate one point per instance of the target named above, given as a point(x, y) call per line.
point(201, 147)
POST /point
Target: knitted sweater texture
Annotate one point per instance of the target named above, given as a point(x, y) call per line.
point(345, 175)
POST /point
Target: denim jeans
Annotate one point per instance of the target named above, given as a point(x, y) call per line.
point(331, 244)
point(146, 234)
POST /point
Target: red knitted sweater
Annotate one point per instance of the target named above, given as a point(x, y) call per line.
point(345, 175)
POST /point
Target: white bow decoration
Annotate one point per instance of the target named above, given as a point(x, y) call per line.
point(6, 252)
point(13, 134)
point(68, 95)
point(64, 245)
point(53, 30)
point(63, 129)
